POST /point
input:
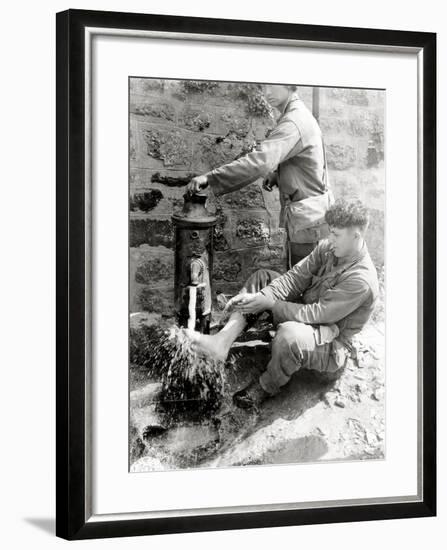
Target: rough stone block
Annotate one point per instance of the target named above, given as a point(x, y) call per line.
point(153, 265)
point(351, 96)
point(373, 185)
point(211, 152)
point(199, 91)
point(375, 236)
point(222, 231)
point(346, 184)
point(227, 267)
point(151, 232)
point(330, 108)
point(235, 122)
point(137, 178)
point(145, 201)
point(333, 124)
point(277, 234)
point(340, 155)
point(365, 123)
point(142, 181)
point(132, 144)
point(169, 145)
point(156, 300)
point(220, 239)
point(197, 119)
point(144, 86)
point(253, 231)
point(162, 110)
point(245, 198)
point(254, 100)
point(172, 179)
point(200, 86)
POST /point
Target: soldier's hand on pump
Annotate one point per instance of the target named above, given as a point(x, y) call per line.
point(197, 184)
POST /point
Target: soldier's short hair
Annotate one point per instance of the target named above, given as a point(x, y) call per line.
point(347, 213)
point(293, 87)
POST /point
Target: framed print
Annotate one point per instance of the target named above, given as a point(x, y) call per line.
point(246, 252)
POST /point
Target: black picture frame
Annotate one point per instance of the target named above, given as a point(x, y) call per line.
point(72, 515)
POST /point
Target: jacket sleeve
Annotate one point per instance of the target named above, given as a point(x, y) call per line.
point(256, 164)
point(295, 281)
point(335, 304)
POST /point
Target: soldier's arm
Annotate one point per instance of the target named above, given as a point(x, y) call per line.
point(335, 304)
point(256, 164)
point(295, 281)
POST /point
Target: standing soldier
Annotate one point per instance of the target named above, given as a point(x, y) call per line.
point(291, 157)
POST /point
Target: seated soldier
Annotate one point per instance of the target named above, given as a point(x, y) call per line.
point(317, 306)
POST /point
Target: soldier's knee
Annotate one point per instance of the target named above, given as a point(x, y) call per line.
point(260, 279)
point(286, 346)
point(293, 332)
point(261, 274)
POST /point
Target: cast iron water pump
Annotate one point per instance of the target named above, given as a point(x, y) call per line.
point(193, 262)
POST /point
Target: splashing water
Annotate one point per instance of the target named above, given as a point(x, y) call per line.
point(185, 375)
point(192, 307)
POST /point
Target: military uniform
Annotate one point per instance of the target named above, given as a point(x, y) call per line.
point(320, 304)
point(295, 150)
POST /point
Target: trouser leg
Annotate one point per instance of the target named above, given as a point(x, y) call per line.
point(258, 280)
point(293, 347)
point(298, 251)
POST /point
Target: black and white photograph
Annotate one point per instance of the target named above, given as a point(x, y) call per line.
point(221, 254)
point(256, 274)
point(246, 221)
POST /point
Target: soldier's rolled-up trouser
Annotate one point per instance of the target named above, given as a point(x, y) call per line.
point(296, 345)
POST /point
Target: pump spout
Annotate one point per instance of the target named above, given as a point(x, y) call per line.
point(197, 271)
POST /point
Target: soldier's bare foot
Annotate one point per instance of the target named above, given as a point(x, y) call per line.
point(213, 346)
point(218, 345)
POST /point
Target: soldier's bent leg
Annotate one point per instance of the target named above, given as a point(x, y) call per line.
point(293, 347)
point(298, 251)
point(259, 279)
point(310, 237)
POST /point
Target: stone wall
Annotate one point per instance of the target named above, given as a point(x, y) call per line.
point(184, 128)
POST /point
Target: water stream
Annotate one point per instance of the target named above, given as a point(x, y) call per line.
point(192, 307)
